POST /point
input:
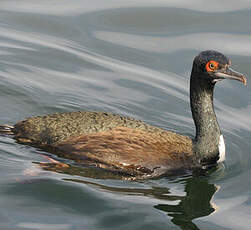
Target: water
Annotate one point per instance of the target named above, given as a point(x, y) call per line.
point(132, 58)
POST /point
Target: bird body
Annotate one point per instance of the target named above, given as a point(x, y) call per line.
point(123, 144)
point(108, 141)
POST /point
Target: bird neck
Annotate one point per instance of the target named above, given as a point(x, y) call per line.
point(206, 141)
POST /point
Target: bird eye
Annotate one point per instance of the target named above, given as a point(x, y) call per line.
point(211, 66)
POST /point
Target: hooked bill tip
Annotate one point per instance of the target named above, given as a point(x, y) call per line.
point(244, 80)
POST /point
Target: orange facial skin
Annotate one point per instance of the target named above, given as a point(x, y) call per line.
point(212, 66)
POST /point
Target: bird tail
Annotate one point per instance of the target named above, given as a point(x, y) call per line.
point(6, 129)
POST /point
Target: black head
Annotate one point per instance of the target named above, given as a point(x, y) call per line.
point(213, 66)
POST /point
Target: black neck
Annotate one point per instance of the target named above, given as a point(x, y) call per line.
point(206, 141)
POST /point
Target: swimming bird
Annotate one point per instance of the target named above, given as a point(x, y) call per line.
point(130, 146)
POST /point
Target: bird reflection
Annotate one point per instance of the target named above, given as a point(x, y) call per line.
point(194, 204)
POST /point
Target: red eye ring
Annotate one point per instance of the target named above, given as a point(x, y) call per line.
point(212, 66)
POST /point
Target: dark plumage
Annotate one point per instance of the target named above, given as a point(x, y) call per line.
point(130, 146)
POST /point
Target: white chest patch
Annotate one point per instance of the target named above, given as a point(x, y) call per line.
point(221, 149)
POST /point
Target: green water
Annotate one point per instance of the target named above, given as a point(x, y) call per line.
point(133, 58)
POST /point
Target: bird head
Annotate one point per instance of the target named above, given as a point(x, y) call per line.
point(213, 66)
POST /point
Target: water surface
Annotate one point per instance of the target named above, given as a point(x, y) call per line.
point(133, 58)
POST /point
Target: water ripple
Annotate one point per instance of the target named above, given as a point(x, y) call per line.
point(79, 6)
point(228, 43)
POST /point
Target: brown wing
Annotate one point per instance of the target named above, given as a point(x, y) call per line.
point(131, 150)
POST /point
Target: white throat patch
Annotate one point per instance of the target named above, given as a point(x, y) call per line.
point(221, 149)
